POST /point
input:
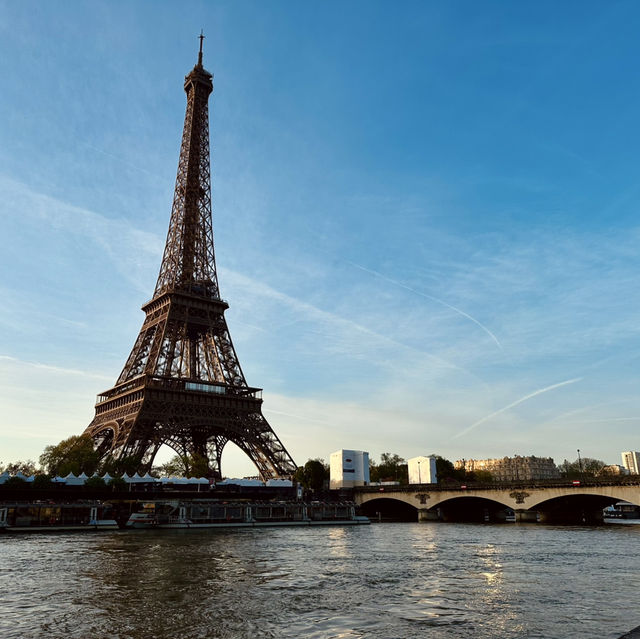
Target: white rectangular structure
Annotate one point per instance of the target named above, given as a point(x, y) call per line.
point(631, 461)
point(422, 470)
point(348, 468)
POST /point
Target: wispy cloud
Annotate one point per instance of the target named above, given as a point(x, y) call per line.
point(606, 420)
point(432, 298)
point(54, 369)
point(132, 250)
point(590, 408)
point(540, 391)
point(334, 324)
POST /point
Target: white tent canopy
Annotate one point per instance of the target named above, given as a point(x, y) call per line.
point(240, 482)
point(72, 480)
point(184, 480)
point(284, 483)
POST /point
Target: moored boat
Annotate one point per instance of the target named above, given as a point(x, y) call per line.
point(215, 514)
point(52, 517)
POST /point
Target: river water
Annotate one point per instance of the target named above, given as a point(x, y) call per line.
point(382, 581)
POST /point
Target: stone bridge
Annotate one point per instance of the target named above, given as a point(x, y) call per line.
point(562, 502)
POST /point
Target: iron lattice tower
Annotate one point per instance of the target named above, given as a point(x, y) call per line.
point(182, 384)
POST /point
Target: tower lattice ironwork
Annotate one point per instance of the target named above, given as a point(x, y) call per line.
point(182, 384)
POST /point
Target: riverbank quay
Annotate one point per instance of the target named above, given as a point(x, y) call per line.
point(85, 508)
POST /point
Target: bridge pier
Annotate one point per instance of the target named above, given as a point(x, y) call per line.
point(424, 514)
point(526, 516)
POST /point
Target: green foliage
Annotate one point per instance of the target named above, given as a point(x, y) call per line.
point(184, 466)
point(95, 482)
point(481, 476)
point(392, 467)
point(117, 483)
point(175, 467)
point(26, 467)
point(446, 472)
point(198, 466)
point(312, 475)
point(73, 455)
point(584, 467)
point(42, 481)
point(120, 466)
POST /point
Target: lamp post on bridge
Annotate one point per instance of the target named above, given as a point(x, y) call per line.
point(580, 464)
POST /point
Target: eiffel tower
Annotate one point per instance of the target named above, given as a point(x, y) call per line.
point(182, 384)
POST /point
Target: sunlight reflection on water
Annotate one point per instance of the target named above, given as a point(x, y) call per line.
point(380, 581)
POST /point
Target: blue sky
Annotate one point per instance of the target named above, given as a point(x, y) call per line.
point(425, 216)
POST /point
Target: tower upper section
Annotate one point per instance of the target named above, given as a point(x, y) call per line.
point(188, 263)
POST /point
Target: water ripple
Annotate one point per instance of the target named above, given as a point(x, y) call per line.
point(379, 582)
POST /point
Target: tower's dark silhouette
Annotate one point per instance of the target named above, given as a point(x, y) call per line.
point(182, 384)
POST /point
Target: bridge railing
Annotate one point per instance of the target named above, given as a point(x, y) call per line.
point(632, 480)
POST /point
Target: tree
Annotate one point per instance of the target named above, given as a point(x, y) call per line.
point(175, 467)
point(120, 466)
point(184, 466)
point(198, 466)
point(446, 471)
point(583, 467)
point(95, 482)
point(481, 476)
point(42, 481)
point(26, 467)
point(392, 467)
point(117, 483)
point(312, 475)
point(73, 455)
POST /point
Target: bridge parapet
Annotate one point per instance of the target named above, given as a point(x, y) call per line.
point(518, 496)
point(632, 480)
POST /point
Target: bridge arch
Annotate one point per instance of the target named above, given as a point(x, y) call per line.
point(586, 508)
point(390, 509)
point(470, 508)
point(608, 495)
point(447, 498)
point(544, 502)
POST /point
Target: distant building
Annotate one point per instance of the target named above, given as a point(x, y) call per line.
point(422, 470)
point(513, 468)
point(348, 468)
point(614, 469)
point(631, 461)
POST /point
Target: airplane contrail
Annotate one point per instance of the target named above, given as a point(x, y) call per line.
point(430, 297)
point(54, 369)
point(302, 417)
point(605, 421)
point(518, 401)
point(582, 409)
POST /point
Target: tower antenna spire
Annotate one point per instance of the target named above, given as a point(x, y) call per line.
point(201, 38)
